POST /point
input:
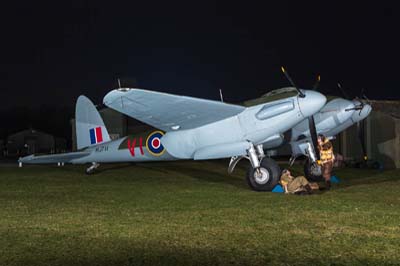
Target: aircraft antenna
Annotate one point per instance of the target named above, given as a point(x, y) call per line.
point(119, 83)
point(221, 96)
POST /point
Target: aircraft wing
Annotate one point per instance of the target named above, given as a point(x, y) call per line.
point(53, 158)
point(167, 111)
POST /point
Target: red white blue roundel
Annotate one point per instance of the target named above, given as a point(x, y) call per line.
point(153, 143)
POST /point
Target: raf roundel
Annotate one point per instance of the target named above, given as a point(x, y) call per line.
point(153, 143)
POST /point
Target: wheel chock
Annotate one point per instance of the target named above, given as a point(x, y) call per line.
point(278, 189)
point(335, 179)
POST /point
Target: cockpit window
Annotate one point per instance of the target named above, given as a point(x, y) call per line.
point(273, 96)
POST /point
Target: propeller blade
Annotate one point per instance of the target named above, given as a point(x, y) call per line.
point(358, 107)
point(365, 97)
point(316, 84)
point(345, 95)
point(362, 92)
point(314, 137)
point(361, 137)
point(301, 94)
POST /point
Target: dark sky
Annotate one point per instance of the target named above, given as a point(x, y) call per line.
point(52, 52)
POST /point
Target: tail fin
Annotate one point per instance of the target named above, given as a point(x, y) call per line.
point(89, 126)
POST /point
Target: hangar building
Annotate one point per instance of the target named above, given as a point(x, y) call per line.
point(31, 141)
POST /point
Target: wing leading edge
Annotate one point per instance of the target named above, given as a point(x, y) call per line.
point(167, 111)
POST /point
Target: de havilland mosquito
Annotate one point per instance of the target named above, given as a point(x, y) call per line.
point(200, 129)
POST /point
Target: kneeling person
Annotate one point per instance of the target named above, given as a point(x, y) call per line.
point(295, 185)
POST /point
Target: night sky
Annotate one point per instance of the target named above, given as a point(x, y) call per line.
point(53, 52)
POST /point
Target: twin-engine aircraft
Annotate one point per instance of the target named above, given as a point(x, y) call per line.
point(200, 129)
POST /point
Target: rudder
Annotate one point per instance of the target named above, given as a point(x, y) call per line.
point(89, 126)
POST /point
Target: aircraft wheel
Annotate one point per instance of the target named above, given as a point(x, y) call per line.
point(89, 172)
point(308, 173)
point(264, 178)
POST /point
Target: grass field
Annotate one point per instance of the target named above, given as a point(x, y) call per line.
point(192, 213)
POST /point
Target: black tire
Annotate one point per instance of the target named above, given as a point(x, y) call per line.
point(274, 172)
point(309, 175)
point(91, 172)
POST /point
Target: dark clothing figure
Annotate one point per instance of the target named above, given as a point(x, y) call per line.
point(327, 170)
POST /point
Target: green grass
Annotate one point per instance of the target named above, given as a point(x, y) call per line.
point(192, 213)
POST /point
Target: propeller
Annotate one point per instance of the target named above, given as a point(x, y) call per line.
point(363, 96)
point(362, 126)
point(311, 122)
point(363, 100)
point(301, 94)
point(313, 134)
point(358, 107)
point(345, 95)
point(316, 84)
point(361, 137)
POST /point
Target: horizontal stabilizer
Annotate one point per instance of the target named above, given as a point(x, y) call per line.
point(53, 158)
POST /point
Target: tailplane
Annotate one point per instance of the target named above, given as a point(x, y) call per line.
point(90, 128)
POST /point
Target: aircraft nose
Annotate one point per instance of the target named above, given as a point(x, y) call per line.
point(360, 115)
point(311, 103)
point(366, 110)
point(346, 110)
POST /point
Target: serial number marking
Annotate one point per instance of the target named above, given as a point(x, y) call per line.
point(101, 149)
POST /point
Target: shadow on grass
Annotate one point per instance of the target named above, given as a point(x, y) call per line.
point(207, 171)
point(130, 253)
point(212, 172)
point(211, 176)
point(215, 172)
point(112, 167)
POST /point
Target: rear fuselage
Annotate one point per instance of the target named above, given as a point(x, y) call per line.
point(133, 148)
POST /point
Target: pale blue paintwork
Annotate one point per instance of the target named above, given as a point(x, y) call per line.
point(86, 118)
point(196, 128)
point(110, 152)
point(224, 137)
point(202, 129)
point(332, 119)
point(268, 111)
point(167, 111)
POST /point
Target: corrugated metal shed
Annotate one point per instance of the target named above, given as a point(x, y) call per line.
point(382, 136)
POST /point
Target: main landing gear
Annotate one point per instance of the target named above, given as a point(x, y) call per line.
point(90, 170)
point(312, 171)
point(263, 173)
